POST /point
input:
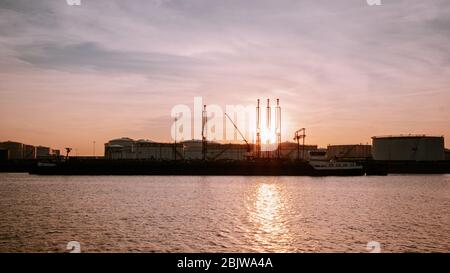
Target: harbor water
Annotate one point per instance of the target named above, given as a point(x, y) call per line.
point(403, 213)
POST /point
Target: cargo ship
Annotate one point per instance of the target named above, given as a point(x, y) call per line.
point(195, 167)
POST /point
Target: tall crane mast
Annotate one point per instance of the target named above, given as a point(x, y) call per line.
point(239, 131)
point(204, 137)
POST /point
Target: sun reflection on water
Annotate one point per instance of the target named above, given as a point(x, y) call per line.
point(267, 213)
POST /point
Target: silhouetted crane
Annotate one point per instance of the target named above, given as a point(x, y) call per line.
point(68, 150)
point(240, 133)
point(300, 134)
point(204, 128)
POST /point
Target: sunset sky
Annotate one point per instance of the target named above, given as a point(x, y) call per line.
point(345, 70)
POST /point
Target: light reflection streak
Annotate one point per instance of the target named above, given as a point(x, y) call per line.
point(267, 212)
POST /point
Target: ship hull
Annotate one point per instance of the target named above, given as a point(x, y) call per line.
point(143, 167)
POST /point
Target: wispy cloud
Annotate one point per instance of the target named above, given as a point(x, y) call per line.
point(90, 57)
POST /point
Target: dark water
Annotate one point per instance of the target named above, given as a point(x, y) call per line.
point(224, 214)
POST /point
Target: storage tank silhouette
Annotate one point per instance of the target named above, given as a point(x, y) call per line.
point(408, 148)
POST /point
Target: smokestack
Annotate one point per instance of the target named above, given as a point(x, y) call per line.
point(278, 128)
point(258, 130)
point(204, 141)
point(278, 116)
point(268, 117)
point(258, 117)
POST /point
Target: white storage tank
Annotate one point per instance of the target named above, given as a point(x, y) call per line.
point(408, 148)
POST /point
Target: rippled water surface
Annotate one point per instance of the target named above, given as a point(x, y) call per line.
point(224, 214)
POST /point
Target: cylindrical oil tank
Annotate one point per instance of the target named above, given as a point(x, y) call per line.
point(408, 148)
point(4, 154)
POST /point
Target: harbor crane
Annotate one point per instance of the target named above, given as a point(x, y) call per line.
point(240, 133)
point(68, 150)
point(300, 134)
point(204, 137)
